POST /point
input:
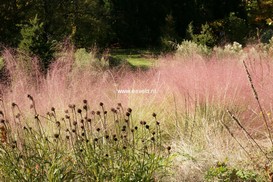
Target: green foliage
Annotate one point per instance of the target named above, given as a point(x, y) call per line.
point(83, 145)
point(189, 48)
point(222, 172)
point(34, 41)
point(169, 35)
point(229, 50)
point(205, 37)
point(235, 28)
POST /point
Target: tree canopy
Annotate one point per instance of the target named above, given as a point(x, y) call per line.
point(134, 23)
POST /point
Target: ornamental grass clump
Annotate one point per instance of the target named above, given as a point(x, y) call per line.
point(81, 145)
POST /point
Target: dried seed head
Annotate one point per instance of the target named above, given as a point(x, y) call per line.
point(119, 104)
point(136, 127)
point(113, 110)
point(147, 127)
point(154, 115)
point(52, 109)
point(96, 139)
point(124, 147)
point(106, 155)
point(98, 129)
point(105, 112)
point(36, 116)
point(30, 97)
point(13, 104)
point(85, 107)
point(132, 130)
point(56, 135)
point(115, 139)
point(153, 133)
point(67, 137)
point(81, 150)
point(75, 123)
point(67, 117)
point(79, 111)
point(93, 112)
point(58, 123)
point(82, 121)
point(84, 101)
point(169, 148)
point(107, 136)
point(66, 111)
point(74, 130)
point(126, 120)
point(129, 110)
point(98, 112)
point(1, 113)
point(153, 138)
point(101, 104)
point(157, 123)
point(89, 120)
point(18, 115)
point(128, 114)
point(83, 134)
point(82, 126)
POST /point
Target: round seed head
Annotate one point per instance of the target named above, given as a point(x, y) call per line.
point(98, 129)
point(85, 107)
point(75, 123)
point(127, 114)
point(79, 111)
point(98, 112)
point(101, 104)
point(52, 109)
point(85, 101)
point(58, 123)
point(56, 135)
point(129, 110)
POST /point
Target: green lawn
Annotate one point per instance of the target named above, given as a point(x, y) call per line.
point(136, 58)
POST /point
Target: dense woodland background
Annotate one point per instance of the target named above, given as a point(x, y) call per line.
point(35, 26)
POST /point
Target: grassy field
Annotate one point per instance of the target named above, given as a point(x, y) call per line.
point(187, 116)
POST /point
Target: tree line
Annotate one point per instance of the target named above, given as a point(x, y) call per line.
point(35, 25)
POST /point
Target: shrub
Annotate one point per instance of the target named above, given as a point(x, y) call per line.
point(189, 48)
point(229, 50)
point(222, 172)
point(205, 37)
point(35, 42)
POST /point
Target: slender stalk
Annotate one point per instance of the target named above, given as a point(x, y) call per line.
point(248, 134)
point(258, 101)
